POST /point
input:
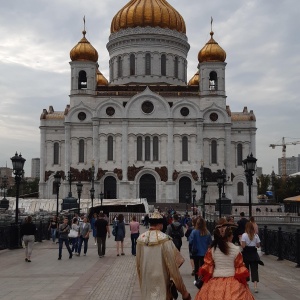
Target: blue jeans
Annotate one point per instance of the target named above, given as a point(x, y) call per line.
point(61, 241)
point(53, 234)
point(134, 237)
point(85, 241)
point(74, 242)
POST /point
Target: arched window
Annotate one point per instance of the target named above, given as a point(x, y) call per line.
point(148, 64)
point(213, 81)
point(132, 64)
point(184, 148)
point(155, 148)
point(214, 152)
point(81, 151)
point(163, 63)
point(239, 150)
point(139, 149)
point(120, 70)
point(82, 80)
point(240, 189)
point(56, 154)
point(176, 67)
point(110, 148)
point(147, 148)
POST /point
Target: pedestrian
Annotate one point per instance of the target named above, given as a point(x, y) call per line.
point(199, 239)
point(252, 220)
point(120, 234)
point(84, 234)
point(241, 223)
point(53, 227)
point(102, 229)
point(28, 230)
point(175, 231)
point(250, 242)
point(158, 261)
point(74, 240)
point(63, 231)
point(223, 272)
point(134, 233)
point(146, 221)
point(93, 220)
point(187, 234)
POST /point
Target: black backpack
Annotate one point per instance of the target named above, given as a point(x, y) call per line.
point(176, 236)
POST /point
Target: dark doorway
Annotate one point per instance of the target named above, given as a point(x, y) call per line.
point(185, 189)
point(148, 187)
point(110, 188)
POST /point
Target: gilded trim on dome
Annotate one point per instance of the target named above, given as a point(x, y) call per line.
point(211, 52)
point(236, 117)
point(143, 13)
point(195, 79)
point(84, 51)
point(101, 80)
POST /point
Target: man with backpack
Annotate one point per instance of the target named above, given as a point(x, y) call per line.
point(175, 231)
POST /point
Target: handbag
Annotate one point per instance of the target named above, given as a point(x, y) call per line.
point(173, 290)
point(73, 233)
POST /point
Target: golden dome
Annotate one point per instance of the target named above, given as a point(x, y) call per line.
point(153, 13)
point(211, 51)
point(84, 51)
point(101, 80)
point(195, 79)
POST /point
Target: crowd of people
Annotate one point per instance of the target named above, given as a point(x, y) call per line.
point(222, 261)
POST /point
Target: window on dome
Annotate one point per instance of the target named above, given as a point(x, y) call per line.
point(139, 150)
point(110, 148)
point(148, 64)
point(56, 154)
point(81, 151)
point(163, 63)
point(147, 148)
point(184, 148)
point(213, 81)
point(214, 152)
point(132, 64)
point(120, 70)
point(82, 80)
point(176, 67)
point(239, 153)
point(240, 189)
point(155, 148)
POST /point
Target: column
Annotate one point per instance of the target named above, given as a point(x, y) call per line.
point(199, 149)
point(227, 150)
point(96, 145)
point(67, 147)
point(124, 149)
point(170, 156)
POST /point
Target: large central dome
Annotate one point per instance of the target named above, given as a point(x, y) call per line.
point(153, 13)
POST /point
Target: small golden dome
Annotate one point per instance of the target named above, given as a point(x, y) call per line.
point(153, 13)
point(195, 79)
point(101, 80)
point(211, 51)
point(84, 51)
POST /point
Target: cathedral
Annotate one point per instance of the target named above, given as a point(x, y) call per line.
point(147, 130)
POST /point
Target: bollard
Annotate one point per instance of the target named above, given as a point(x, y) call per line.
point(298, 248)
point(266, 240)
point(280, 244)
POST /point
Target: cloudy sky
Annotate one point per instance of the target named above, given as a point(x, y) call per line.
point(261, 39)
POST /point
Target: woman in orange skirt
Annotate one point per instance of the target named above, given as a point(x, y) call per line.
point(224, 273)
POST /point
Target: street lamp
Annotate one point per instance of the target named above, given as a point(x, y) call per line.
point(57, 179)
point(221, 178)
point(194, 192)
point(70, 183)
point(79, 190)
point(250, 169)
point(18, 164)
point(101, 197)
point(92, 190)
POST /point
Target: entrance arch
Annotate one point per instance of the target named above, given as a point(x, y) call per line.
point(110, 187)
point(185, 188)
point(148, 187)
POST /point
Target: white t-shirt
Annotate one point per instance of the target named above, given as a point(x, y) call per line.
point(248, 242)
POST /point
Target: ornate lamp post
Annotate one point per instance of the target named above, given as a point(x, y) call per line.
point(92, 190)
point(221, 178)
point(70, 183)
point(203, 192)
point(194, 192)
point(79, 190)
point(101, 197)
point(250, 169)
point(57, 179)
point(18, 164)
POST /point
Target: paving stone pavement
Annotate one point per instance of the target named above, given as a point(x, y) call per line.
point(112, 277)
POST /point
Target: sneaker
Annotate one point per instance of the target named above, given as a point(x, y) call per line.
point(26, 259)
point(70, 256)
point(95, 244)
point(193, 273)
point(84, 254)
point(122, 253)
point(100, 256)
point(59, 258)
point(255, 290)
